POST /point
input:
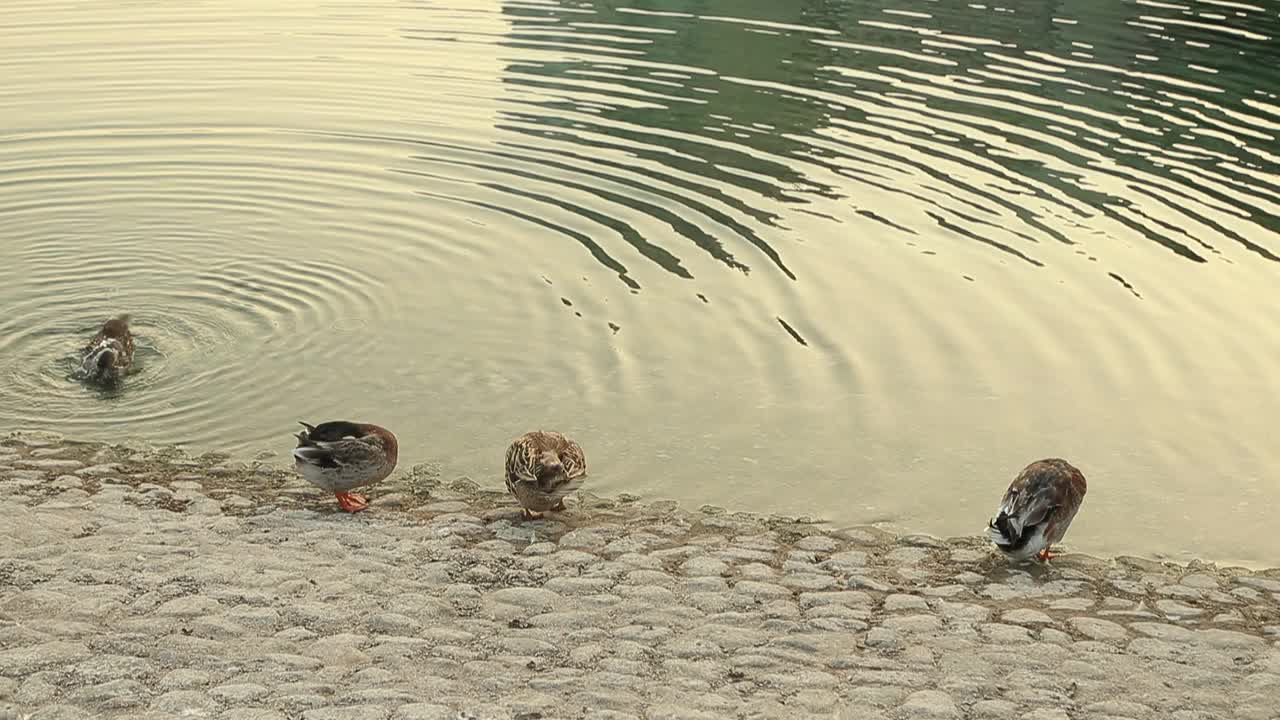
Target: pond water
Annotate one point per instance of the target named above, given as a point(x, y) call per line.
point(857, 260)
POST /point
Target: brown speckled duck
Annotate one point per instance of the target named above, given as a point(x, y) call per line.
point(109, 355)
point(1037, 509)
point(543, 467)
point(339, 456)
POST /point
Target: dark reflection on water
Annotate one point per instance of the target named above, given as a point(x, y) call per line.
point(1030, 106)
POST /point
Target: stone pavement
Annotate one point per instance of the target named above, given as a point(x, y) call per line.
point(137, 583)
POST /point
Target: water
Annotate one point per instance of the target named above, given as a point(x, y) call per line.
point(862, 260)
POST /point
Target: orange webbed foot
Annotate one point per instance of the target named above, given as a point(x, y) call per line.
point(1045, 555)
point(352, 502)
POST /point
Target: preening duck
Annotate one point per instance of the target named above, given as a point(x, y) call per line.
point(109, 355)
point(543, 467)
point(1037, 509)
point(339, 456)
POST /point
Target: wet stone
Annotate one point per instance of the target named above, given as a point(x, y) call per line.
point(895, 603)
point(425, 711)
point(907, 556)
point(744, 555)
point(1175, 609)
point(817, 543)
point(1047, 714)
point(1180, 591)
point(184, 678)
point(858, 582)
point(239, 693)
point(189, 606)
point(591, 539)
point(806, 582)
point(392, 624)
point(532, 599)
point(913, 623)
point(757, 571)
point(885, 638)
point(1001, 634)
point(930, 704)
point(1026, 616)
point(25, 660)
point(354, 712)
point(1247, 594)
point(965, 555)
point(111, 695)
point(1259, 583)
point(1098, 629)
point(51, 464)
point(994, 710)
point(183, 702)
point(704, 566)
point(251, 714)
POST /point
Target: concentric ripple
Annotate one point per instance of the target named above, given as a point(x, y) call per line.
point(204, 328)
point(862, 259)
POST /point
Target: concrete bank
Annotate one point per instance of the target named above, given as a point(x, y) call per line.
point(142, 583)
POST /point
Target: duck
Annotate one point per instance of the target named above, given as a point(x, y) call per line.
point(1037, 509)
point(109, 355)
point(338, 456)
point(543, 467)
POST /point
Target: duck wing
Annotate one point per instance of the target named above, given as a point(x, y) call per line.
point(348, 451)
point(1041, 492)
point(1024, 507)
point(524, 462)
point(573, 459)
point(334, 444)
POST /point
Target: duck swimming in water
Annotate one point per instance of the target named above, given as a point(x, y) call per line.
point(543, 467)
point(1037, 509)
point(339, 456)
point(109, 355)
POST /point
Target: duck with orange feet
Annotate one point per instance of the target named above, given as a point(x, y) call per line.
point(339, 456)
point(1037, 509)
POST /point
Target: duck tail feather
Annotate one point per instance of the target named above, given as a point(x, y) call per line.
point(1002, 531)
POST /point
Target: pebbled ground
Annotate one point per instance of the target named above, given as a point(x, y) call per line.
point(137, 583)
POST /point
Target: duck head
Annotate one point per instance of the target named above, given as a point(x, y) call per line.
point(551, 472)
point(102, 360)
point(116, 328)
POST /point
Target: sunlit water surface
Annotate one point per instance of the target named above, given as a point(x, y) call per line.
point(858, 260)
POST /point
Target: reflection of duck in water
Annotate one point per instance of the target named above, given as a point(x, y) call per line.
point(543, 468)
point(109, 355)
point(1037, 509)
point(340, 456)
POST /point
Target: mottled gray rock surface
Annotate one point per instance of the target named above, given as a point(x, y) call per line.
point(149, 584)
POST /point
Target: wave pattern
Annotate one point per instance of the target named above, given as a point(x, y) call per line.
point(744, 238)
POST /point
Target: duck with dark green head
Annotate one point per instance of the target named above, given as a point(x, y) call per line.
point(339, 456)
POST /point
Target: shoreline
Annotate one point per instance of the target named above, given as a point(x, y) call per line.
point(150, 583)
point(419, 486)
point(272, 460)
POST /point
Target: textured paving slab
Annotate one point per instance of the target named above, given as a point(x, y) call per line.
point(148, 584)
